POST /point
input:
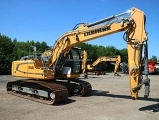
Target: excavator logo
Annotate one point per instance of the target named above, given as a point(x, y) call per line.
point(107, 28)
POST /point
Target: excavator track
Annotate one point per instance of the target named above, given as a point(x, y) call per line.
point(77, 87)
point(86, 87)
point(39, 91)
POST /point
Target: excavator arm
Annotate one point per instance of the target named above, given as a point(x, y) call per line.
point(132, 22)
point(117, 64)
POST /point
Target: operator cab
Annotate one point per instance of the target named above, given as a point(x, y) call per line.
point(73, 62)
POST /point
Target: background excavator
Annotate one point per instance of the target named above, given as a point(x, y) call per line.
point(92, 67)
point(52, 80)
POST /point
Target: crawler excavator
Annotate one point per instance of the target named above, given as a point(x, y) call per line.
point(52, 81)
point(117, 59)
point(91, 67)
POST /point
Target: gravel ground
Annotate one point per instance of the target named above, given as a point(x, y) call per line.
point(110, 100)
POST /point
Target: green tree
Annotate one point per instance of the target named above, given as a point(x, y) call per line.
point(91, 51)
point(153, 58)
point(20, 49)
point(111, 51)
point(41, 47)
point(6, 56)
point(124, 55)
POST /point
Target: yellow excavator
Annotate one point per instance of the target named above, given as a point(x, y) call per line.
point(52, 80)
point(117, 59)
point(91, 67)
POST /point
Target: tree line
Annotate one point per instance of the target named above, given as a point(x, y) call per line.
point(11, 50)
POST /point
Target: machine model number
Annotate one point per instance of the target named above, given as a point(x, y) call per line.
point(30, 67)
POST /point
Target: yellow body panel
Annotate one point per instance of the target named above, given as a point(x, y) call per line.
point(31, 69)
